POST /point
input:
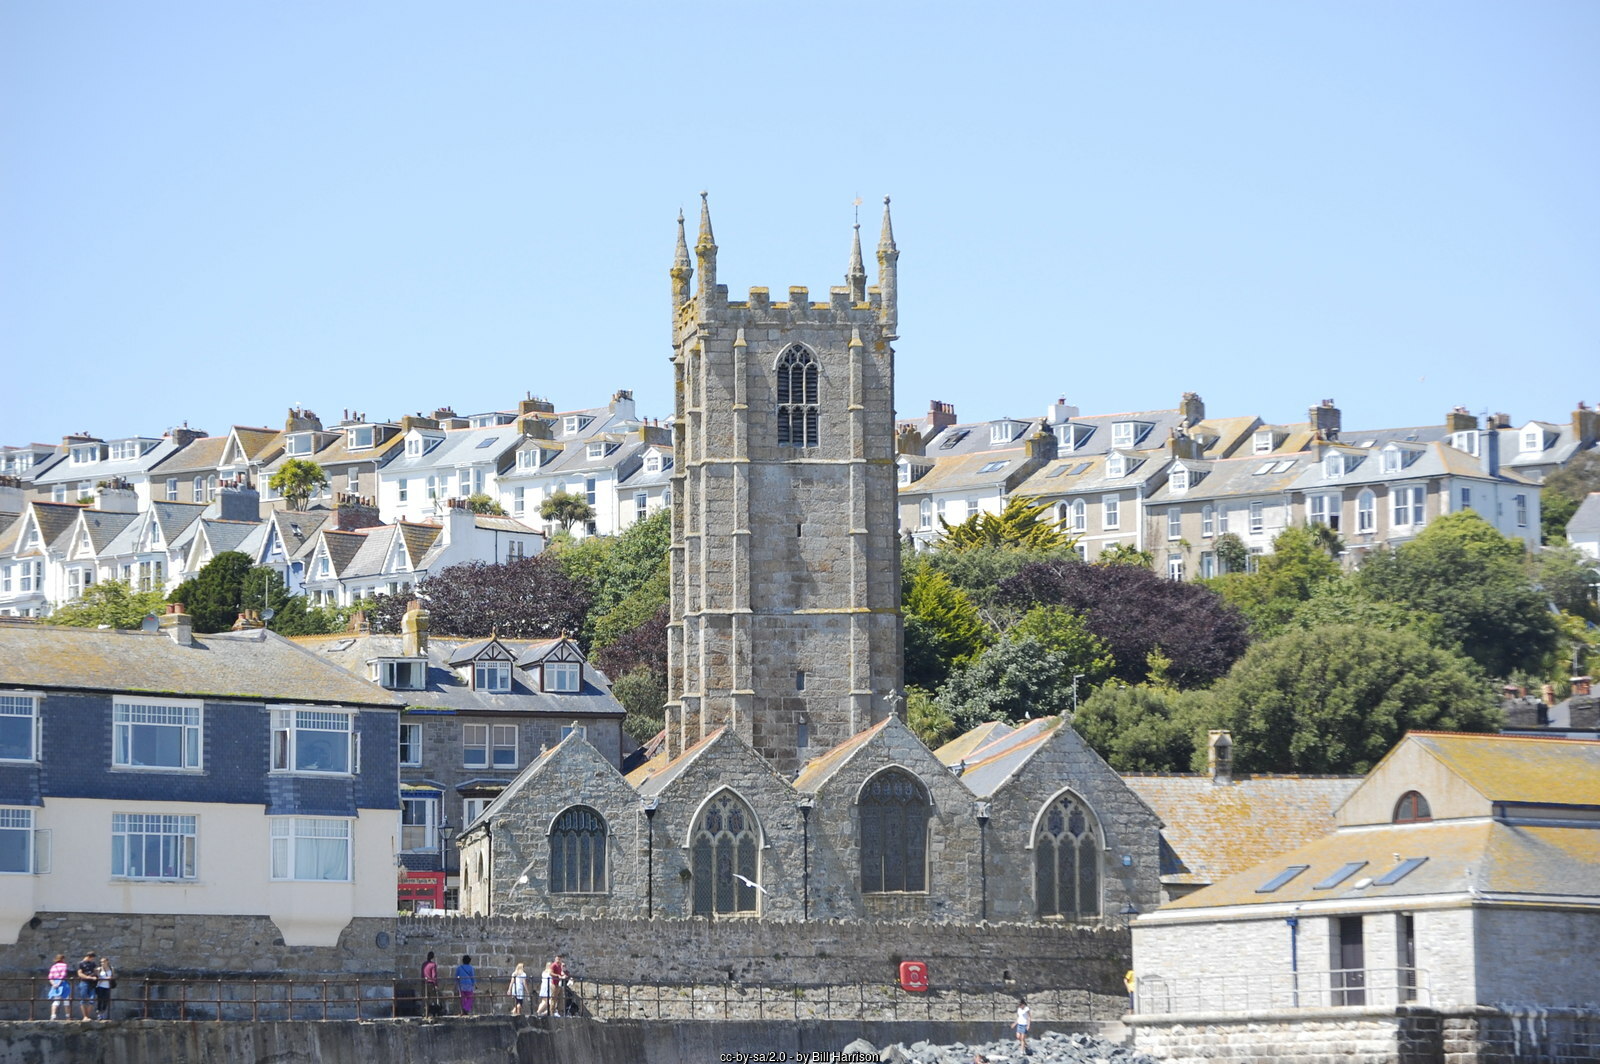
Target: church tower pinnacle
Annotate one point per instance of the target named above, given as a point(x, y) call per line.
point(705, 252)
point(855, 278)
point(681, 271)
point(888, 260)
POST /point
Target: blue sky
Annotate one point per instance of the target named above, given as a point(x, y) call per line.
point(209, 212)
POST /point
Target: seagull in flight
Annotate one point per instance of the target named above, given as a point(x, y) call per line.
point(752, 883)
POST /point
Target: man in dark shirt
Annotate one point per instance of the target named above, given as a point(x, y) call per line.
point(88, 973)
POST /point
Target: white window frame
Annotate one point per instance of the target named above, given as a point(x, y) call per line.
point(20, 704)
point(293, 728)
point(1532, 441)
point(389, 674)
point(1208, 521)
point(925, 512)
point(427, 804)
point(290, 833)
point(481, 745)
point(1324, 509)
point(1179, 480)
point(1116, 466)
point(172, 489)
point(1366, 512)
point(472, 809)
point(1258, 518)
point(1392, 461)
point(359, 433)
point(1080, 516)
point(1124, 433)
point(1110, 512)
point(20, 819)
point(178, 836)
point(1174, 566)
point(562, 677)
point(187, 717)
point(1262, 442)
point(641, 505)
point(410, 744)
point(1520, 502)
point(491, 677)
point(1174, 522)
point(1407, 506)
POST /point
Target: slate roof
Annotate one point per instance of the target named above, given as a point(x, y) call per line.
point(1075, 473)
point(255, 664)
point(54, 519)
point(446, 690)
point(173, 518)
point(991, 765)
point(201, 456)
point(342, 548)
point(653, 776)
point(1464, 857)
point(1218, 830)
point(225, 535)
point(1587, 517)
point(458, 447)
point(104, 469)
point(1230, 477)
point(103, 526)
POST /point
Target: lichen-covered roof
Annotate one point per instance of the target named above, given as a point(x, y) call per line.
point(819, 769)
point(956, 750)
point(989, 766)
point(255, 664)
point(1468, 857)
point(1517, 768)
point(1220, 829)
point(652, 776)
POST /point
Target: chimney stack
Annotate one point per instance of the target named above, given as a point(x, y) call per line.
point(178, 625)
point(1219, 755)
point(238, 501)
point(1460, 420)
point(1585, 425)
point(1192, 409)
point(116, 497)
point(183, 435)
point(940, 416)
point(909, 441)
point(414, 631)
point(1325, 419)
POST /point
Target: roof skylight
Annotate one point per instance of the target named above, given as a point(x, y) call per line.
point(1281, 878)
point(1399, 871)
point(1343, 873)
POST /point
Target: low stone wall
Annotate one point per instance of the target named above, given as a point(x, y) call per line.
point(751, 952)
point(462, 1041)
point(1411, 1035)
point(178, 946)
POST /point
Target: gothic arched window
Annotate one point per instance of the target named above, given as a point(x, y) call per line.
point(724, 857)
point(578, 852)
point(797, 398)
point(894, 833)
point(1067, 861)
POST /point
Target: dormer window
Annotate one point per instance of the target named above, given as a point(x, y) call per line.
point(123, 450)
point(401, 674)
point(1263, 441)
point(1116, 466)
point(297, 443)
point(563, 677)
point(360, 437)
point(597, 450)
point(574, 423)
point(1004, 431)
point(528, 459)
point(1333, 466)
point(419, 445)
point(1071, 437)
point(493, 677)
point(85, 453)
point(1180, 478)
point(1532, 440)
point(652, 463)
point(1125, 433)
point(1466, 441)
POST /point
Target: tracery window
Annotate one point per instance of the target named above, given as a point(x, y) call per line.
point(724, 857)
point(578, 852)
point(797, 398)
point(1067, 861)
point(1412, 808)
point(894, 833)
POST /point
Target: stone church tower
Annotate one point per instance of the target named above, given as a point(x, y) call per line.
point(785, 574)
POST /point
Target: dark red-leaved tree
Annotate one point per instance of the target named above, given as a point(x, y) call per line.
point(644, 646)
point(1135, 611)
point(526, 599)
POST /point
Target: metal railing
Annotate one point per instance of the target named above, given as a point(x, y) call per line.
point(1282, 991)
point(347, 999)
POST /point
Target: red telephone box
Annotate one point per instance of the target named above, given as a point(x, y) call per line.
point(913, 975)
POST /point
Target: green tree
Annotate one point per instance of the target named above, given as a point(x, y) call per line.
point(1126, 554)
point(1232, 555)
point(566, 510)
point(479, 503)
point(1022, 524)
point(1027, 674)
point(978, 571)
point(1335, 699)
point(942, 627)
point(1477, 581)
point(109, 604)
point(644, 695)
point(214, 595)
point(1300, 564)
point(927, 720)
point(1564, 491)
point(625, 576)
point(297, 480)
point(1567, 576)
point(1144, 727)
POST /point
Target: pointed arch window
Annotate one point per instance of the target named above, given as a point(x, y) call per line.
point(1067, 862)
point(894, 833)
point(724, 857)
point(797, 398)
point(578, 852)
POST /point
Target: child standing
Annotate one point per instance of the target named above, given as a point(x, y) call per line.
point(518, 988)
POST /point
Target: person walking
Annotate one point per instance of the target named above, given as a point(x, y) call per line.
point(545, 988)
point(60, 989)
point(466, 983)
point(430, 987)
point(88, 975)
point(1024, 1018)
point(105, 981)
point(518, 988)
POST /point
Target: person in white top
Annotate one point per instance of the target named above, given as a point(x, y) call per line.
point(518, 988)
point(546, 985)
point(1024, 1017)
